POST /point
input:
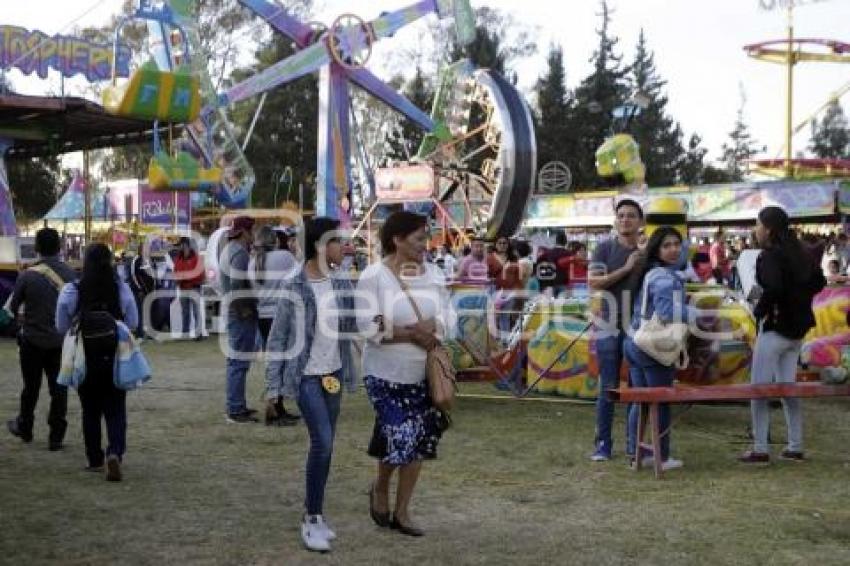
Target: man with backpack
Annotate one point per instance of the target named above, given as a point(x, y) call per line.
point(39, 343)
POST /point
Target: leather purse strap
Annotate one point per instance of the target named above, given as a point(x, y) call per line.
point(404, 288)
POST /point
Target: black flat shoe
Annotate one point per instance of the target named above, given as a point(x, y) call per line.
point(408, 530)
point(15, 429)
point(380, 519)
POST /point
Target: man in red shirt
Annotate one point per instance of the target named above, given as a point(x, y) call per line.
point(577, 264)
point(189, 273)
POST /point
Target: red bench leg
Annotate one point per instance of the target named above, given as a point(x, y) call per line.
point(641, 431)
point(656, 438)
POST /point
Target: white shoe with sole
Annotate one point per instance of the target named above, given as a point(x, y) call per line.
point(671, 464)
point(313, 534)
point(329, 532)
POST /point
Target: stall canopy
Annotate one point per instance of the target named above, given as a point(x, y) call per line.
point(122, 200)
point(39, 126)
point(739, 202)
point(71, 205)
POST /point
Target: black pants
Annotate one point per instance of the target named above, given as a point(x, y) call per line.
point(100, 399)
point(265, 325)
point(34, 362)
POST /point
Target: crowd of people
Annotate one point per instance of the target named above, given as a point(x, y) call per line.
point(303, 309)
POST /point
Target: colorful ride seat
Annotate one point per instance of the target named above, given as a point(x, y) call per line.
point(156, 95)
point(181, 172)
point(620, 154)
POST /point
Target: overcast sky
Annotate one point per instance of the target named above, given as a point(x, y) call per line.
point(697, 45)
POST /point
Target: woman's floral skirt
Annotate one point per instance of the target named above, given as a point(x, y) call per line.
point(407, 426)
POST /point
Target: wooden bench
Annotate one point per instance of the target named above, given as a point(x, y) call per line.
point(654, 396)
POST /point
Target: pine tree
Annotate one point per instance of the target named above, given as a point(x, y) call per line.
point(34, 183)
point(286, 132)
point(595, 100)
point(831, 138)
point(421, 93)
point(741, 147)
point(499, 42)
point(692, 167)
point(553, 107)
point(659, 137)
point(692, 164)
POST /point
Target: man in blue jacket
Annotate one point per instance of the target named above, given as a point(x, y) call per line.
point(242, 317)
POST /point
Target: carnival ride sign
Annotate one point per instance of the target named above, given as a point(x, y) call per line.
point(413, 182)
point(567, 210)
point(158, 208)
point(35, 52)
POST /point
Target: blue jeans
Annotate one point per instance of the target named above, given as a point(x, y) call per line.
point(188, 307)
point(650, 375)
point(609, 355)
point(241, 338)
point(319, 409)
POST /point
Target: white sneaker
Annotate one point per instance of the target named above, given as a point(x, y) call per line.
point(326, 528)
point(671, 464)
point(313, 533)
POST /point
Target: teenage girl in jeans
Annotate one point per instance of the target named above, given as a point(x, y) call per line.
point(318, 321)
point(666, 298)
point(789, 278)
point(100, 289)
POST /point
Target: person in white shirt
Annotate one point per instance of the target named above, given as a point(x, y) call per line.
point(312, 332)
point(449, 262)
point(407, 425)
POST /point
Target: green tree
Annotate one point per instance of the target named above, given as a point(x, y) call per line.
point(659, 136)
point(34, 183)
point(553, 109)
point(740, 148)
point(597, 96)
point(404, 140)
point(831, 137)
point(286, 132)
point(692, 167)
point(499, 42)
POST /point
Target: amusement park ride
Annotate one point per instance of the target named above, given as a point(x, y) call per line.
point(789, 52)
point(479, 142)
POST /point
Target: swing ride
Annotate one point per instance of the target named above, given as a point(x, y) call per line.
point(479, 142)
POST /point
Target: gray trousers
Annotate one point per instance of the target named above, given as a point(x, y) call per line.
point(775, 361)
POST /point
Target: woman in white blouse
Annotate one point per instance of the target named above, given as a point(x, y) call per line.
point(407, 425)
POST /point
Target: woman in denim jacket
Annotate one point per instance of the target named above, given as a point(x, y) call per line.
point(309, 349)
point(666, 291)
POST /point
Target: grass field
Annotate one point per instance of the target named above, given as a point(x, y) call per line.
point(513, 485)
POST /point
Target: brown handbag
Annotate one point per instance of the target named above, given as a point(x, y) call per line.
point(442, 379)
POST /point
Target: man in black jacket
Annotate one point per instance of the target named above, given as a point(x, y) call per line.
point(40, 345)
